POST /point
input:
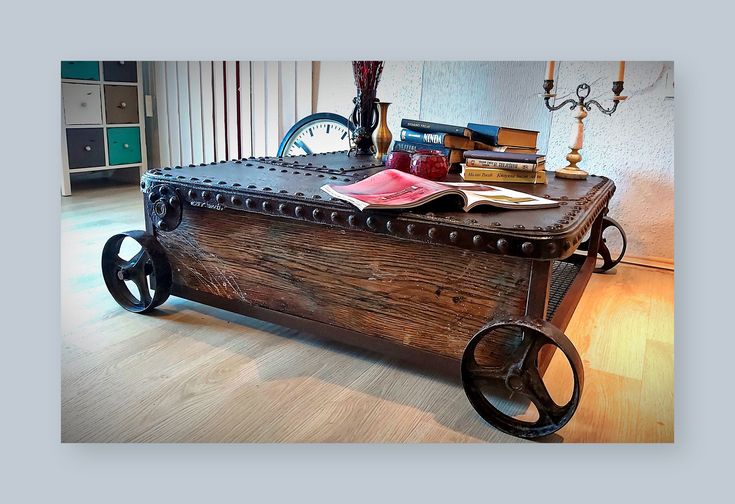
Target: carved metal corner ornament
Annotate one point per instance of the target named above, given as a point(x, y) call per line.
point(164, 207)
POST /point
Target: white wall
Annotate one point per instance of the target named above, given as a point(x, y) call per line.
point(334, 88)
point(634, 147)
point(487, 92)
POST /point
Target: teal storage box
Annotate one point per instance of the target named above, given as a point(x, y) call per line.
point(84, 70)
point(123, 145)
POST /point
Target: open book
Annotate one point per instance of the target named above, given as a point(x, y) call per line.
point(397, 189)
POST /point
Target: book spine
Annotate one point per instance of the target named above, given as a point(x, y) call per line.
point(501, 165)
point(417, 136)
point(485, 175)
point(429, 127)
point(400, 145)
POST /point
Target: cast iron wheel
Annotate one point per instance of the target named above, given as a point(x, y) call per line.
point(521, 375)
point(150, 261)
point(603, 250)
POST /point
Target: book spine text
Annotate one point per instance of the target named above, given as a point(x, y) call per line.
point(501, 165)
point(429, 127)
point(417, 136)
point(414, 146)
point(484, 175)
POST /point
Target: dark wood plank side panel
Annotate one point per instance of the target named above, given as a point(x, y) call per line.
point(430, 297)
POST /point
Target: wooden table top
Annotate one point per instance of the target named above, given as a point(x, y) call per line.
point(290, 187)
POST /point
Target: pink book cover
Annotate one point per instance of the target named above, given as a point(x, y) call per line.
point(397, 189)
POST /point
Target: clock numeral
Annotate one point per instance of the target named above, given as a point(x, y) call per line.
point(328, 128)
point(311, 131)
point(343, 136)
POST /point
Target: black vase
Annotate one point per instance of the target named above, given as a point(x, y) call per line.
point(364, 117)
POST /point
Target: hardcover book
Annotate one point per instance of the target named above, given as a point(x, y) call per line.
point(504, 165)
point(498, 135)
point(509, 176)
point(512, 157)
point(504, 148)
point(394, 189)
point(400, 145)
point(430, 127)
point(444, 139)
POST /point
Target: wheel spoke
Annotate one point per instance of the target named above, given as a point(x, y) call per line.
point(484, 373)
point(605, 253)
point(535, 389)
point(141, 281)
point(525, 355)
point(135, 260)
point(120, 263)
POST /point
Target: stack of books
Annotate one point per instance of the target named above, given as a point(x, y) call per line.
point(493, 166)
point(455, 142)
point(451, 141)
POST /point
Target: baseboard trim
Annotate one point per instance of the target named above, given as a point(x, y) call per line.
point(650, 262)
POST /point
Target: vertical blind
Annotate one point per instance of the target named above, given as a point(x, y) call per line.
point(209, 111)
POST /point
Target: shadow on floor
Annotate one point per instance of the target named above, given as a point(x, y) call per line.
point(457, 415)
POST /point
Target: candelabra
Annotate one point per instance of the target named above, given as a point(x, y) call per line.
point(580, 106)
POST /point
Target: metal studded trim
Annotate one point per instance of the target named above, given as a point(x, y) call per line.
point(551, 242)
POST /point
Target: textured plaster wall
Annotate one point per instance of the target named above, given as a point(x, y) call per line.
point(400, 85)
point(488, 92)
point(634, 147)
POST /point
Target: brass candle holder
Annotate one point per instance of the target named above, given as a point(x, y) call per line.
point(580, 106)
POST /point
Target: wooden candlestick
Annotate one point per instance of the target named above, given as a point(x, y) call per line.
point(572, 171)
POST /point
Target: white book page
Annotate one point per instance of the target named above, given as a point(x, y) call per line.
point(500, 196)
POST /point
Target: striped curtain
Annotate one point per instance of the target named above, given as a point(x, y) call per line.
point(208, 111)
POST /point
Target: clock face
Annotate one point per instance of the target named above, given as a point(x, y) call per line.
point(314, 137)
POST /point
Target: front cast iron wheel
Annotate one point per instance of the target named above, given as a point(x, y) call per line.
point(520, 374)
point(150, 263)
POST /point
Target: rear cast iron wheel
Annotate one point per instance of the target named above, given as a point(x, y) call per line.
point(603, 250)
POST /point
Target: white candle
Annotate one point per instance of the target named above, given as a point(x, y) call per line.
point(621, 71)
point(550, 66)
point(577, 137)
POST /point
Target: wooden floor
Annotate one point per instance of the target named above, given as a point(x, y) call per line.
point(191, 373)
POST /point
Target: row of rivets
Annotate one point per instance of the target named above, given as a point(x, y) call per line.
point(502, 244)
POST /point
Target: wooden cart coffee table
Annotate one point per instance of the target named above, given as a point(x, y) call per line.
point(473, 294)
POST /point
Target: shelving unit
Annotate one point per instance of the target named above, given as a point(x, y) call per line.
point(102, 118)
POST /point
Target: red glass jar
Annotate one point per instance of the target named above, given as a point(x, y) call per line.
point(429, 164)
point(399, 160)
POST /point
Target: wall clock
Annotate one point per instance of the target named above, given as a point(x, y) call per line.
point(322, 132)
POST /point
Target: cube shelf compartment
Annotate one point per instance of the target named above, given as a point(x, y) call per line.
point(102, 117)
point(123, 145)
